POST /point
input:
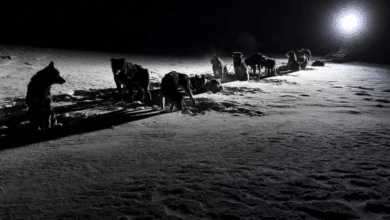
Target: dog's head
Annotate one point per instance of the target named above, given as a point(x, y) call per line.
point(237, 57)
point(117, 64)
point(300, 53)
point(214, 58)
point(53, 75)
point(291, 55)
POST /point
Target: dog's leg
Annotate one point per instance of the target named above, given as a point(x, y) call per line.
point(119, 87)
point(131, 93)
point(259, 66)
point(149, 95)
point(34, 119)
point(188, 91)
point(146, 96)
point(143, 93)
point(43, 120)
point(54, 122)
point(49, 121)
point(140, 93)
point(163, 103)
point(46, 119)
point(173, 105)
point(179, 105)
point(170, 101)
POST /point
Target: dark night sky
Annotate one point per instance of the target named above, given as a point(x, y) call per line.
point(188, 27)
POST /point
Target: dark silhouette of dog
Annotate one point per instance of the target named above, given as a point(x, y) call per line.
point(255, 61)
point(170, 85)
point(292, 63)
point(318, 63)
point(219, 67)
point(39, 99)
point(302, 59)
point(201, 84)
point(240, 68)
point(133, 76)
point(269, 66)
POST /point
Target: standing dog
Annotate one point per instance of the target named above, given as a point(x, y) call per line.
point(219, 67)
point(170, 84)
point(255, 61)
point(39, 99)
point(269, 66)
point(240, 68)
point(133, 76)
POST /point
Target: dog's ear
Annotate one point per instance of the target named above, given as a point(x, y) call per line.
point(122, 60)
point(51, 65)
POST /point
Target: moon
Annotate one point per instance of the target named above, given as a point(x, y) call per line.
point(349, 22)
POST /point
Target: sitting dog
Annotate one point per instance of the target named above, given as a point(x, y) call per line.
point(170, 84)
point(292, 63)
point(201, 84)
point(219, 67)
point(240, 68)
point(255, 61)
point(302, 59)
point(213, 85)
point(269, 66)
point(39, 99)
point(133, 76)
point(198, 83)
point(307, 52)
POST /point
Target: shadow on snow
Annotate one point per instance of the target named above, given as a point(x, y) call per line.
point(15, 130)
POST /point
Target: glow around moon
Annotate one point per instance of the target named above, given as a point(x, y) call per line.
point(349, 22)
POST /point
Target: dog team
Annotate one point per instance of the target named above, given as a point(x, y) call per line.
point(135, 77)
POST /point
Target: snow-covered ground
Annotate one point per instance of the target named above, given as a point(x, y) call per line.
point(311, 144)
